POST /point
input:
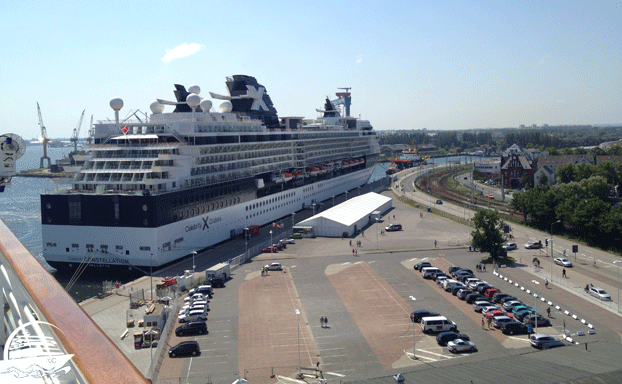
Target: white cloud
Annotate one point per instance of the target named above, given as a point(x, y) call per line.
point(359, 59)
point(180, 51)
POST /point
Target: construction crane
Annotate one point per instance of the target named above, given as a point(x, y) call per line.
point(76, 132)
point(88, 139)
point(44, 139)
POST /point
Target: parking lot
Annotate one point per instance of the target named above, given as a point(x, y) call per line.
point(253, 325)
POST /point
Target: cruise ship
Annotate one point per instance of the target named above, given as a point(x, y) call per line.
point(158, 188)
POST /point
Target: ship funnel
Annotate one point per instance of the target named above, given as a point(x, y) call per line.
point(116, 104)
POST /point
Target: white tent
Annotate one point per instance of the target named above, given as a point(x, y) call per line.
point(349, 216)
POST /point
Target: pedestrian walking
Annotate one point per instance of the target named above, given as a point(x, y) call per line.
point(262, 271)
point(484, 267)
point(488, 320)
point(363, 233)
point(548, 311)
point(350, 242)
point(434, 243)
point(325, 322)
point(352, 251)
point(546, 283)
point(564, 272)
point(356, 252)
point(322, 321)
point(483, 323)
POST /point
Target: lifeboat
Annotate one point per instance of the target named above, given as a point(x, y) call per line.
point(313, 171)
point(287, 176)
point(297, 174)
point(323, 169)
point(278, 178)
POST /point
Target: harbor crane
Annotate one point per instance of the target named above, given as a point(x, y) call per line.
point(88, 139)
point(76, 132)
point(44, 139)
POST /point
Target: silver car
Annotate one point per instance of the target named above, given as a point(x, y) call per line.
point(600, 293)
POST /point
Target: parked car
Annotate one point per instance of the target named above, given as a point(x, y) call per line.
point(452, 269)
point(441, 278)
point(460, 345)
point(491, 308)
point(185, 348)
point(514, 328)
point(562, 261)
point(438, 274)
point(191, 328)
point(533, 318)
point(480, 304)
point(393, 227)
point(192, 317)
point(499, 321)
point(274, 267)
point(439, 201)
point(522, 308)
point(491, 314)
point(533, 245)
point(456, 288)
point(417, 315)
point(422, 264)
point(288, 240)
point(270, 249)
point(279, 246)
point(296, 236)
point(498, 296)
point(520, 315)
point(505, 299)
point(542, 341)
point(470, 299)
point(508, 305)
point(599, 293)
point(444, 337)
point(490, 196)
point(510, 246)
point(481, 288)
point(462, 293)
point(491, 292)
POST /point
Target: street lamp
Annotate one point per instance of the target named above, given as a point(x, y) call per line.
point(413, 304)
point(151, 274)
point(376, 232)
point(313, 209)
point(333, 201)
point(551, 241)
point(535, 316)
point(618, 262)
point(298, 321)
point(271, 245)
point(346, 195)
point(194, 253)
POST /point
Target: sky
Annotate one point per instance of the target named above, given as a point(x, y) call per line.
point(440, 65)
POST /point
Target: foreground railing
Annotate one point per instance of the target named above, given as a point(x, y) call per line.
point(41, 319)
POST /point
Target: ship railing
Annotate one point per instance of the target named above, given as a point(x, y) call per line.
point(31, 294)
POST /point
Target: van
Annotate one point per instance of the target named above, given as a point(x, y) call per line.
point(205, 290)
point(430, 272)
point(437, 324)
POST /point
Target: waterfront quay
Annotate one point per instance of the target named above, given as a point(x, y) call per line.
point(267, 328)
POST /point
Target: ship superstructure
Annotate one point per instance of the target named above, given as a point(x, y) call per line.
point(153, 191)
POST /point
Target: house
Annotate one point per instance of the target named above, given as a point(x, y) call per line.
point(516, 162)
point(555, 161)
point(548, 172)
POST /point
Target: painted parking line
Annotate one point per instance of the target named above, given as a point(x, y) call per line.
point(334, 374)
point(436, 354)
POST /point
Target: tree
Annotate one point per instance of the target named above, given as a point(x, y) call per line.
point(488, 233)
point(543, 179)
point(524, 180)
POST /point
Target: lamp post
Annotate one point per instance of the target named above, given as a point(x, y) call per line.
point(413, 304)
point(551, 241)
point(271, 245)
point(535, 316)
point(313, 208)
point(618, 262)
point(333, 201)
point(151, 274)
point(346, 195)
point(298, 321)
point(245, 244)
point(194, 253)
point(376, 232)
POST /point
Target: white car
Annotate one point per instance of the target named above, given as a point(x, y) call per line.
point(274, 267)
point(460, 345)
point(500, 321)
point(192, 317)
point(479, 305)
point(562, 261)
point(599, 293)
point(510, 246)
point(288, 241)
point(440, 279)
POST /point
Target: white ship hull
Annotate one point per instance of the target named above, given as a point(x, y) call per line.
point(145, 245)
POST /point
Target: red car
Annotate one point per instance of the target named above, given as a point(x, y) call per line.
point(270, 249)
point(490, 292)
point(496, 312)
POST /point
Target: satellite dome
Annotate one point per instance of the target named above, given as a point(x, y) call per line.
point(226, 106)
point(206, 105)
point(193, 100)
point(116, 104)
point(194, 89)
point(156, 107)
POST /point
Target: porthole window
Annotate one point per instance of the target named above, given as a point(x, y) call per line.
point(145, 207)
point(48, 206)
